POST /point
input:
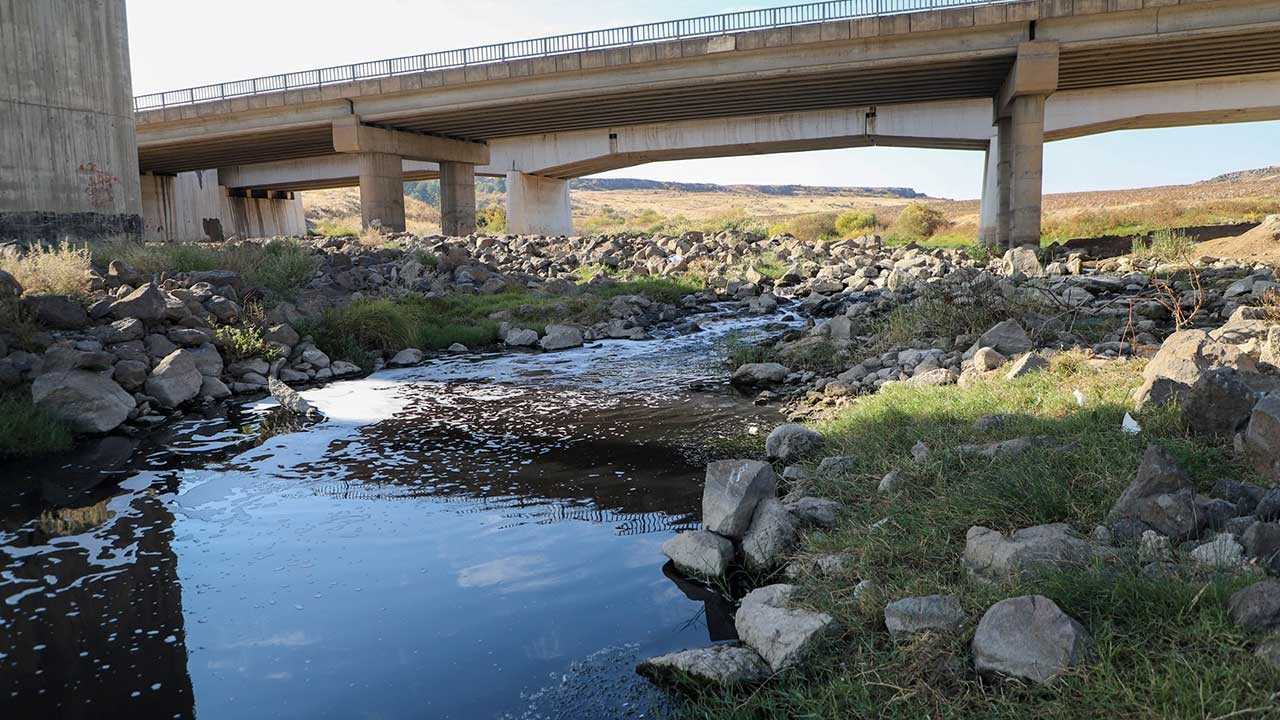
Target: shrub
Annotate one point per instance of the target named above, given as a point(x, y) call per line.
point(1166, 246)
point(27, 430)
point(810, 228)
point(63, 270)
point(854, 222)
point(281, 266)
point(239, 343)
point(331, 227)
point(492, 218)
point(155, 258)
point(916, 222)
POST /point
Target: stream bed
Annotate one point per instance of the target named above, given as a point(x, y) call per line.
point(476, 537)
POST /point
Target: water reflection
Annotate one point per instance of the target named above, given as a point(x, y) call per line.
point(450, 538)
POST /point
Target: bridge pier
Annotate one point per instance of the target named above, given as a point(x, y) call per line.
point(538, 205)
point(1026, 189)
point(457, 198)
point(381, 191)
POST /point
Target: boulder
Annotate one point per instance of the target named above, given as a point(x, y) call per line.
point(10, 288)
point(789, 443)
point(812, 511)
point(190, 337)
point(175, 380)
point(1162, 497)
point(988, 358)
point(782, 636)
point(1007, 338)
point(406, 357)
point(561, 337)
point(1182, 359)
point(131, 374)
point(918, 614)
point(1262, 436)
point(1262, 542)
point(771, 535)
point(718, 665)
point(60, 312)
point(282, 333)
point(1257, 607)
point(1029, 637)
point(146, 303)
point(699, 553)
point(290, 400)
point(212, 387)
point(207, 359)
point(119, 331)
point(1218, 403)
point(521, 337)
point(1029, 363)
point(989, 555)
point(756, 374)
point(87, 401)
point(342, 367)
point(1022, 261)
point(731, 492)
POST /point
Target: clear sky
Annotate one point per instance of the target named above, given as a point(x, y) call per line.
point(176, 44)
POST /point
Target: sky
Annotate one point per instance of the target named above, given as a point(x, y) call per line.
point(175, 44)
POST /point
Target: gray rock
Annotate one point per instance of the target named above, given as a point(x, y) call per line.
point(190, 337)
point(1154, 547)
point(60, 312)
point(1262, 542)
point(146, 303)
point(1007, 338)
point(770, 537)
point(1182, 359)
point(1162, 496)
point(159, 346)
point(252, 365)
point(1221, 552)
point(1029, 637)
point(521, 337)
point(212, 387)
point(406, 357)
point(789, 443)
point(918, 614)
point(732, 490)
point(699, 553)
point(342, 367)
point(836, 465)
point(988, 358)
point(1245, 496)
point(891, 483)
point(719, 665)
point(989, 555)
point(1257, 607)
point(207, 359)
point(936, 377)
point(1269, 651)
point(315, 358)
point(130, 374)
point(1022, 261)
point(225, 309)
point(290, 400)
point(175, 380)
point(812, 511)
point(783, 636)
point(561, 337)
point(282, 333)
point(89, 402)
point(119, 331)
point(1219, 403)
point(920, 452)
point(756, 374)
point(1262, 437)
point(9, 286)
point(458, 348)
point(1029, 363)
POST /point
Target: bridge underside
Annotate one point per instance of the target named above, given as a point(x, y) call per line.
point(978, 83)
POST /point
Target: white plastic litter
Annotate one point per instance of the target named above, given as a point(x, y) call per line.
point(1130, 425)
point(1079, 397)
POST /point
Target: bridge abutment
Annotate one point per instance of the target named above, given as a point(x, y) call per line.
point(195, 207)
point(457, 198)
point(538, 205)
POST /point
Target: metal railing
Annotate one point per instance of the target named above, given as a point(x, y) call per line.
point(555, 45)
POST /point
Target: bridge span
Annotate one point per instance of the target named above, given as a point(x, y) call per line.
point(997, 76)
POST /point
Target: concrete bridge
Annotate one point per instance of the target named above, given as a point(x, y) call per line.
point(999, 76)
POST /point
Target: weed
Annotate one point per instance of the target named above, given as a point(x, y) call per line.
point(855, 222)
point(27, 430)
point(240, 343)
point(61, 270)
point(917, 222)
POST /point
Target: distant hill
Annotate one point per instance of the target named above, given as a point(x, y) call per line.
point(428, 191)
point(1266, 173)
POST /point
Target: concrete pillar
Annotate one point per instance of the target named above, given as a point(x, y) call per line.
point(538, 205)
point(1028, 169)
point(457, 198)
point(381, 191)
point(989, 212)
point(1004, 182)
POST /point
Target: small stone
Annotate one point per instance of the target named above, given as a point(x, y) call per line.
point(891, 483)
point(719, 665)
point(699, 553)
point(812, 511)
point(917, 614)
point(789, 443)
point(1029, 637)
point(920, 452)
point(290, 400)
point(1257, 607)
point(836, 465)
point(1221, 552)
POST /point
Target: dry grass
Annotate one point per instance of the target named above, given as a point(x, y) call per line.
point(63, 270)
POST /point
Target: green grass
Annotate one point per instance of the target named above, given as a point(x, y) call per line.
point(26, 430)
point(282, 267)
point(329, 227)
point(431, 323)
point(1165, 646)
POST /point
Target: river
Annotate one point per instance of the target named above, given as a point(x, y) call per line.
point(476, 537)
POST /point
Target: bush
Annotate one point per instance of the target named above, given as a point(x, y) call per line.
point(331, 227)
point(63, 270)
point(26, 430)
point(917, 222)
point(810, 228)
point(240, 343)
point(281, 266)
point(1166, 246)
point(855, 222)
point(492, 218)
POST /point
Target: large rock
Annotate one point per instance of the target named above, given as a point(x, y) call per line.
point(783, 636)
point(789, 443)
point(119, 331)
point(521, 337)
point(60, 312)
point(1218, 403)
point(770, 537)
point(146, 303)
point(1029, 363)
point(1262, 437)
point(561, 337)
point(812, 511)
point(733, 489)
point(1182, 359)
point(290, 400)
point(89, 402)
point(700, 553)
point(1257, 607)
point(1007, 338)
point(1261, 541)
point(720, 665)
point(755, 374)
point(207, 359)
point(989, 555)
point(1029, 637)
point(1162, 497)
point(10, 288)
point(918, 614)
point(1022, 261)
point(175, 380)
point(406, 357)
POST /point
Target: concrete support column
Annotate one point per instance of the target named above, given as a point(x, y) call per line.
point(1004, 182)
point(381, 191)
point(457, 198)
point(538, 205)
point(989, 213)
point(1027, 133)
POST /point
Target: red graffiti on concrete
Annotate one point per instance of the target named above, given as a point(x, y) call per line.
point(98, 187)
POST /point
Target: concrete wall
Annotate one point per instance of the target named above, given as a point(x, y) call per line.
point(193, 207)
point(68, 153)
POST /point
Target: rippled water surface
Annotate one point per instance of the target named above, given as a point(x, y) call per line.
point(477, 537)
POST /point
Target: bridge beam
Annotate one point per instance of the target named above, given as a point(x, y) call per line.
point(538, 205)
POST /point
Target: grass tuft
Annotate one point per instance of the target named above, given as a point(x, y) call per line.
point(61, 270)
point(27, 431)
